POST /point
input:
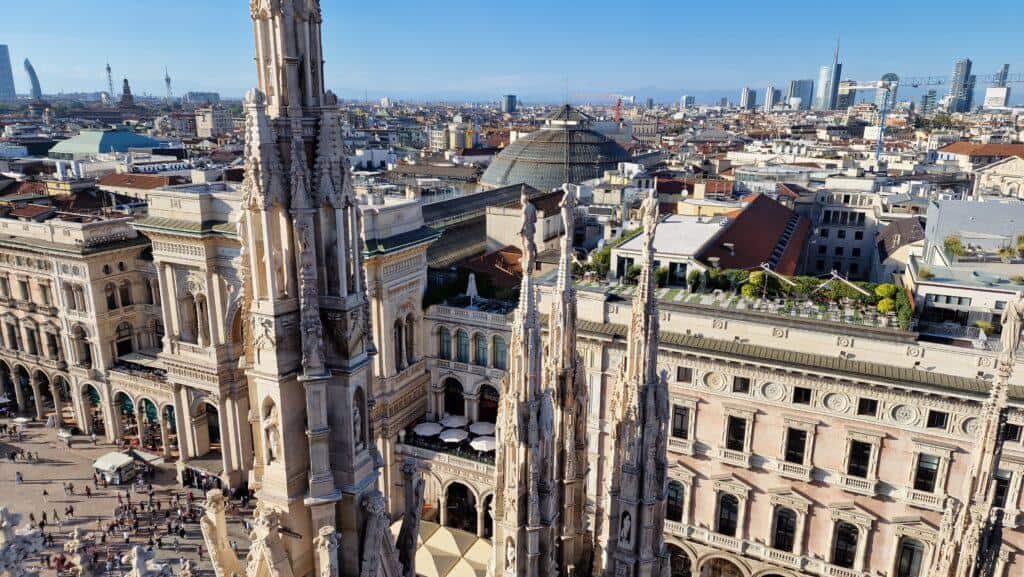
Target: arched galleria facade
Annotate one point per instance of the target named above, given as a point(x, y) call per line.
point(797, 446)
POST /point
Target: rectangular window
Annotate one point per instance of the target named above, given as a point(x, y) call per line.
point(23, 287)
point(824, 233)
point(1001, 488)
point(736, 434)
point(684, 374)
point(740, 385)
point(820, 265)
point(858, 235)
point(1011, 433)
point(841, 233)
point(801, 395)
point(822, 249)
point(855, 251)
point(838, 251)
point(854, 267)
point(937, 419)
point(796, 445)
point(859, 459)
point(927, 473)
point(867, 407)
point(680, 422)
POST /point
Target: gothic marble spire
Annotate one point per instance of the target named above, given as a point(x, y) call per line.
point(526, 511)
point(309, 370)
point(635, 511)
point(565, 375)
point(969, 538)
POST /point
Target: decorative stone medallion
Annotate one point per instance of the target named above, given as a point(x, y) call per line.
point(773, 391)
point(970, 426)
point(837, 402)
point(905, 414)
point(714, 381)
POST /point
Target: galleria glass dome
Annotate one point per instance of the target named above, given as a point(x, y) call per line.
point(564, 150)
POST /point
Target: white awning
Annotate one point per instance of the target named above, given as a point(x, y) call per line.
point(454, 421)
point(427, 429)
point(482, 428)
point(112, 462)
point(483, 444)
point(453, 435)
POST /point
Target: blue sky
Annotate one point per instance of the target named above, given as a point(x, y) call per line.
point(462, 49)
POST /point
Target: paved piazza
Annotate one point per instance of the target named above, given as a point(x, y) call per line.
point(58, 465)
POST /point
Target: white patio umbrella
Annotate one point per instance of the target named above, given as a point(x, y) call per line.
point(427, 429)
point(483, 444)
point(482, 428)
point(454, 421)
point(453, 435)
point(23, 420)
point(4, 399)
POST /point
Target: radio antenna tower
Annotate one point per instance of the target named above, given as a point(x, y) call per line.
point(167, 83)
point(110, 82)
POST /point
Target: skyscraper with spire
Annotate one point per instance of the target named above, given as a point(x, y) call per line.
point(828, 83)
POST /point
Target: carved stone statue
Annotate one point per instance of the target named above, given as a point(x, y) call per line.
point(626, 528)
point(272, 434)
point(326, 543)
point(1011, 322)
point(357, 427)
point(406, 543)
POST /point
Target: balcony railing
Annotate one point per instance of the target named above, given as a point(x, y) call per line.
point(795, 471)
point(738, 458)
point(460, 450)
point(925, 500)
point(857, 485)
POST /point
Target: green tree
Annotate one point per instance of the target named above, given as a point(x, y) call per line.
point(633, 273)
point(750, 291)
point(886, 291)
point(886, 305)
point(693, 279)
point(662, 276)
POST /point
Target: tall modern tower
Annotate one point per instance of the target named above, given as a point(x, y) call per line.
point(772, 96)
point(802, 89)
point(509, 105)
point(37, 91)
point(7, 93)
point(961, 86)
point(748, 98)
point(828, 83)
point(1001, 76)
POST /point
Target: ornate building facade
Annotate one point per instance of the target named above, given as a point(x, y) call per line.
point(274, 334)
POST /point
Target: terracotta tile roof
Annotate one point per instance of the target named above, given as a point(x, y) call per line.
point(754, 232)
point(25, 187)
point(140, 181)
point(31, 211)
point(545, 203)
point(502, 267)
point(964, 147)
point(792, 190)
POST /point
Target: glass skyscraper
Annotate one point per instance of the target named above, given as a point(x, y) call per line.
point(7, 93)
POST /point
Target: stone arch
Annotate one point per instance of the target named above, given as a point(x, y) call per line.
point(488, 396)
point(169, 422)
point(65, 401)
point(717, 564)
point(487, 504)
point(92, 408)
point(681, 559)
point(453, 393)
point(7, 383)
point(433, 491)
point(773, 572)
point(149, 425)
point(460, 502)
point(125, 414)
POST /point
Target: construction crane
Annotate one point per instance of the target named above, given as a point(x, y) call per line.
point(889, 86)
point(918, 81)
point(110, 83)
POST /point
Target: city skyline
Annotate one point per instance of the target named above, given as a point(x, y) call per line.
point(429, 49)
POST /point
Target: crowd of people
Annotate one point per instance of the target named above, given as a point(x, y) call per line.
point(159, 519)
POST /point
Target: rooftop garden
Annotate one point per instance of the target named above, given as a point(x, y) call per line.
point(828, 299)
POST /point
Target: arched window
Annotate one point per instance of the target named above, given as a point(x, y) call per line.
point(454, 403)
point(784, 531)
point(487, 410)
point(410, 341)
point(500, 354)
point(124, 339)
point(147, 296)
point(111, 295)
point(674, 504)
point(728, 514)
point(844, 546)
point(480, 350)
point(444, 344)
point(189, 323)
point(463, 350)
point(909, 558)
point(399, 340)
point(126, 293)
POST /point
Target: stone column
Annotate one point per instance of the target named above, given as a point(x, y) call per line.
point(481, 514)
point(165, 441)
point(864, 533)
point(57, 403)
point(798, 543)
point(19, 395)
point(443, 512)
point(37, 392)
point(472, 402)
